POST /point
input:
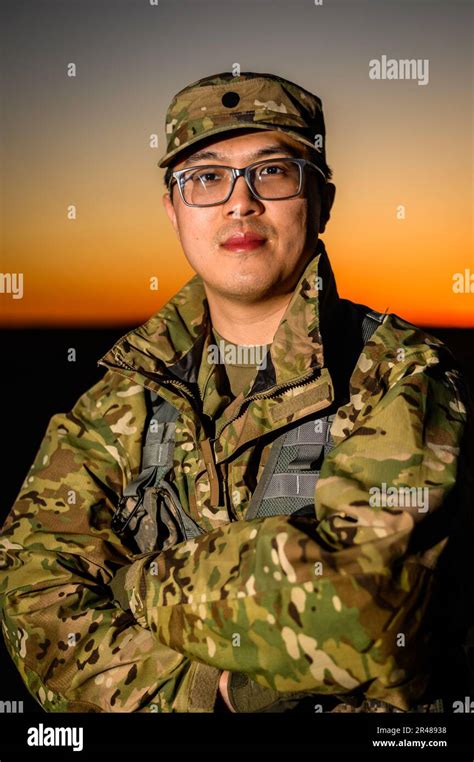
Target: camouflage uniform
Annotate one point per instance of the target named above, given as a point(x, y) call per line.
point(294, 605)
point(182, 611)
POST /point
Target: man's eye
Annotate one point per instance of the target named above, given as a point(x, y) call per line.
point(206, 178)
point(273, 169)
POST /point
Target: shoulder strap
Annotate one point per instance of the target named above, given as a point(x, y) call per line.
point(160, 437)
point(157, 459)
point(372, 320)
point(290, 474)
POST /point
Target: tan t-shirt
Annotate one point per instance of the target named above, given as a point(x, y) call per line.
point(238, 369)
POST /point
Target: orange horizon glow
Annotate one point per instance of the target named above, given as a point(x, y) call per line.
point(91, 275)
point(86, 142)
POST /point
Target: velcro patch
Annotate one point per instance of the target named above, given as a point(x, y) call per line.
point(322, 394)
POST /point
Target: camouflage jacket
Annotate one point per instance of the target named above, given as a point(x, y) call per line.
point(334, 606)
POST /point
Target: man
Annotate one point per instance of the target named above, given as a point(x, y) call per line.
point(225, 592)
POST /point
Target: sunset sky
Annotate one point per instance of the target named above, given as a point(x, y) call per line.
point(85, 141)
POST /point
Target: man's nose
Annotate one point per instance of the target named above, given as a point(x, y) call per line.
point(242, 200)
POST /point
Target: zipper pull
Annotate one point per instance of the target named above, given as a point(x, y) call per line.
point(211, 472)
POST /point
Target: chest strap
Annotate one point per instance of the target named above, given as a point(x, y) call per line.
point(148, 502)
point(291, 472)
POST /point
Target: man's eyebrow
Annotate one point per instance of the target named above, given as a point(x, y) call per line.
point(265, 151)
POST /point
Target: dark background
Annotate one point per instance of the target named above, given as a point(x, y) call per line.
point(38, 381)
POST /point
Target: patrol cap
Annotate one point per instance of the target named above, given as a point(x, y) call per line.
point(224, 102)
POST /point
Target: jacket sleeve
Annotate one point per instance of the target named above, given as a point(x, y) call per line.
point(335, 603)
point(75, 648)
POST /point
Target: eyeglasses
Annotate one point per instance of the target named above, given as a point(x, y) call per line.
point(269, 180)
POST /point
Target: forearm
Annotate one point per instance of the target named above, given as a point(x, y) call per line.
point(77, 651)
point(264, 598)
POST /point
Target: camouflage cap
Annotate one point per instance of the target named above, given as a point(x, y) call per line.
point(224, 102)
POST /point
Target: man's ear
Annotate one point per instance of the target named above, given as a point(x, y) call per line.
point(327, 200)
point(169, 208)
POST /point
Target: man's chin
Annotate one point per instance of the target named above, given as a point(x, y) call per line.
point(246, 290)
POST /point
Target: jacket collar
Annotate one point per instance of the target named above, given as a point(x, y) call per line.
point(170, 344)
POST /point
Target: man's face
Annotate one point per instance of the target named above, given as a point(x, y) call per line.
point(290, 227)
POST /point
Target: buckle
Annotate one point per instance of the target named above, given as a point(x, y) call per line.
point(119, 521)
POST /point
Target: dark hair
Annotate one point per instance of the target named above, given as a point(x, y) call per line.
point(311, 155)
point(167, 177)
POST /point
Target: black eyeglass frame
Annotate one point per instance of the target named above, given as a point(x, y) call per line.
point(244, 172)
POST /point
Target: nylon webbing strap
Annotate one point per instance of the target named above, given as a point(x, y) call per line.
point(291, 485)
point(157, 454)
point(309, 438)
point(370, 323)
point(311, 432)
point(146, 478)
point(160, 437)
point(159, 445)
point(257, 497)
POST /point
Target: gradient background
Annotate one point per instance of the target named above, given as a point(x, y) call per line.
point(85, 141)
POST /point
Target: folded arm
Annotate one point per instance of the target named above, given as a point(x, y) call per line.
point(75, 647)
point(333, 603)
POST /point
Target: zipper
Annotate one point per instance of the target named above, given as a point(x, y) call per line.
point(262, 395)
point(162, 379)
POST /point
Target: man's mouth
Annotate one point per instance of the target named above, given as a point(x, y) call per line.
point(244, 242)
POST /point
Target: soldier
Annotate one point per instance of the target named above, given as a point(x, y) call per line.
point(262, 502)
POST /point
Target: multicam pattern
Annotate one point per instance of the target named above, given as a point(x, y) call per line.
point(298, 604)
point(224, 102)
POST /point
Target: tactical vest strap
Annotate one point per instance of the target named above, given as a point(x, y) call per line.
point(268, 470)
point(313, 440)
point(370, 323)
point(158, 451)
point(287, 485)
point(290, 475)
point(157, 460)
